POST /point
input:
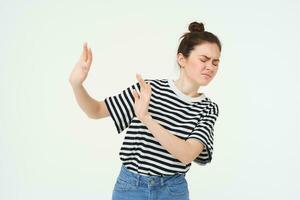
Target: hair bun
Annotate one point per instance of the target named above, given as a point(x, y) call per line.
point(196, 27)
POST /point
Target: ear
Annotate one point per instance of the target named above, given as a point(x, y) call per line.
point(181, 59)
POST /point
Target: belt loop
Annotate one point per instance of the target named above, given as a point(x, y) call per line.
point(162, 180)
point(137, 180)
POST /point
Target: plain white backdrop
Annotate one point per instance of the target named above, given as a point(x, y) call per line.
point(49, 149)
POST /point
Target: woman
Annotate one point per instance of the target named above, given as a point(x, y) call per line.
point(169, 123)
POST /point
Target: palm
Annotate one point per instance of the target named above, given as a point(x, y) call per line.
point(142, 100)
point(82, 67)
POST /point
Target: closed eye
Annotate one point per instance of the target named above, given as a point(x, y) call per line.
point(207, 60)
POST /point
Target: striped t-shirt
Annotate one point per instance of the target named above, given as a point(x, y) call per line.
point(182, 115)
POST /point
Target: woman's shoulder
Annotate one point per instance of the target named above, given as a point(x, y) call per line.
point(156, 79)
point(212, 106)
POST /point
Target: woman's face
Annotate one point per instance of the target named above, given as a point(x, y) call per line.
point(202, 64)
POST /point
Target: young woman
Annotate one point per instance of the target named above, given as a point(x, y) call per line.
point(169, 123)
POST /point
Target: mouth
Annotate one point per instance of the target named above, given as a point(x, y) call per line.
point(207, 75)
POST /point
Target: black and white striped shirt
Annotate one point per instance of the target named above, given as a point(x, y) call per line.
point(182, 115)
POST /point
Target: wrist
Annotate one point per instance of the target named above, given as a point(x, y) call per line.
point(76, 86)
point(146, 119)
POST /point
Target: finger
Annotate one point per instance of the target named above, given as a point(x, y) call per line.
point(84, 67)
point(138, 78)
point(149, 86)
point(141, 81)
point(135, 95)
point(84, 52)
point(89, 57)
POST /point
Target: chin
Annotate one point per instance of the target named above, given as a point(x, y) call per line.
point(203, 82)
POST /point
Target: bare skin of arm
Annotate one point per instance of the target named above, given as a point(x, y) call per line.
point(94, 109)
point(184, 150)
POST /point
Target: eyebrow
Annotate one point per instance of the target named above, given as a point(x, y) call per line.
point(209, 57)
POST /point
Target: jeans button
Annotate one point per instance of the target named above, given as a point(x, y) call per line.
point(152, 182)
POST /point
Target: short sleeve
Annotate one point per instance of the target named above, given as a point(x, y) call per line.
point(120, 107)
point(204, 132)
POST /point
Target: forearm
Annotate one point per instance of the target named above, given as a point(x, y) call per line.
point(89, 105)
point(179, 148)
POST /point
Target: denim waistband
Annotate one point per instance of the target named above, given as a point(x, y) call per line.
point(140, 179)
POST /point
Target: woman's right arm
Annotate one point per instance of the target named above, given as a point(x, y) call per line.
point(93, 108)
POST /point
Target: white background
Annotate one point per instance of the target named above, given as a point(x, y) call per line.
point(49, 149)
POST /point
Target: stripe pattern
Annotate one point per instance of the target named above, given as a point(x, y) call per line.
point(183, 116)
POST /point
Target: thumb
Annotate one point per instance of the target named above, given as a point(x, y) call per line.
point(135, 95)
point(84, 67)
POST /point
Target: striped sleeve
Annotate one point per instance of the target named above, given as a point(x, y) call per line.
point(204, 132)
point(120, 107)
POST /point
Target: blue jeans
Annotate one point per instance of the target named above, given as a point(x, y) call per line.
point(133, 186)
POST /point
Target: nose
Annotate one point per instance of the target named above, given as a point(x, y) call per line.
point(209, 68)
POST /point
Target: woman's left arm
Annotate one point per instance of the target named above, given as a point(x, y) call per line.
point(183, 150)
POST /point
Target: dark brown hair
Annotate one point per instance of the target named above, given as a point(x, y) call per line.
point(196, 36)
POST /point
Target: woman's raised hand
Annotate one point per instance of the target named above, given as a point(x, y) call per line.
point(141, 101)
point(82, 67)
